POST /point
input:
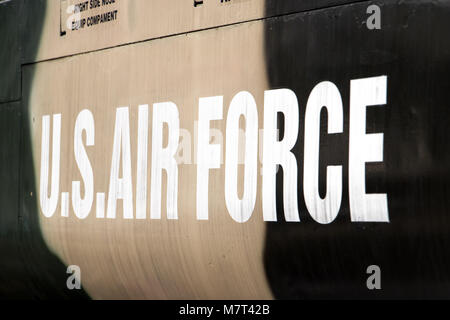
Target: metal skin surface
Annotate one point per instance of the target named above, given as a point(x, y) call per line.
point(313, 261)
point(219, 50)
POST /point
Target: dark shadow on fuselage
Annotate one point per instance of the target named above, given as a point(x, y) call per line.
point(28, 269)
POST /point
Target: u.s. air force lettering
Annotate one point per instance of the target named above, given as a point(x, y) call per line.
point(241, 148)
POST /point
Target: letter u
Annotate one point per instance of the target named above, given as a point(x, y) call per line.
point(49, 204)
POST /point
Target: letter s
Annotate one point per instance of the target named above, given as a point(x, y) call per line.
point(84, 122)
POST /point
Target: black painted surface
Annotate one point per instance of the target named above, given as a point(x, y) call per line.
point(308, 260)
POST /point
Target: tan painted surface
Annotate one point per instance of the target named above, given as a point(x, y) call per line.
point(137, 20)
point(184, 258)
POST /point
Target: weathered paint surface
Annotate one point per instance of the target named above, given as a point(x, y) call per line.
point(219, 251)
point(157, 52)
